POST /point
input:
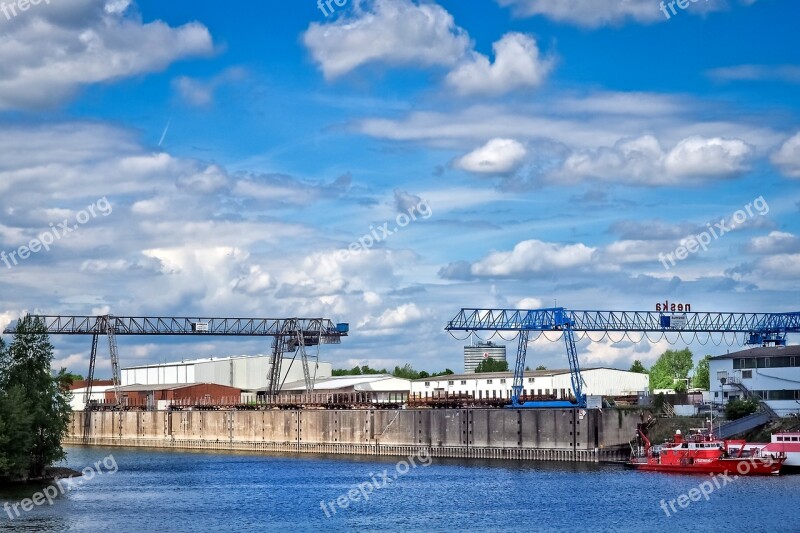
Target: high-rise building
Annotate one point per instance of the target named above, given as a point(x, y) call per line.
point(475, 353)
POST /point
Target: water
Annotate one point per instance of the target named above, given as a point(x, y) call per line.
point(155, 490)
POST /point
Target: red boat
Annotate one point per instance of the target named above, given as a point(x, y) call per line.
point(703, 454)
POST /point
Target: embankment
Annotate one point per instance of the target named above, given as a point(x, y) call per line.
point(539, 434)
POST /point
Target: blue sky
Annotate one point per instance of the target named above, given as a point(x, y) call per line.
point(551, 150)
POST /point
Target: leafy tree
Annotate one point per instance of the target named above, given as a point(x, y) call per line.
point(736, 409)
point(357, 371)
point(491, 365)
point(16, 437)
point(35, 407)
point(671, 367)
point(541, 367)
point(406, 372)
point(73, 377)
point(447, 372)
point(638, 367)
point(702, 379)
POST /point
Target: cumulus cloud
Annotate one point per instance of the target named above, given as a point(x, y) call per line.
point(787, 157)
point(49, 54)
point(517, 65)
point(527, 258)
point(498, 156)
point(590, 13)
point(777, 242)
point(642, 161)
point(201, 92)
point(393, 32)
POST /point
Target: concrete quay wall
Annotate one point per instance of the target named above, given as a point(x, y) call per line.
point(537, 434)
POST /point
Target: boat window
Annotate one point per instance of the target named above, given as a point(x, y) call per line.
point(794, 439)
point(780, 439)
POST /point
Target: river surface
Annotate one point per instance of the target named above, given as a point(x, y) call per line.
point(136, 490)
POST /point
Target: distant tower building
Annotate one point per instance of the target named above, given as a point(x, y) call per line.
point(476, 353)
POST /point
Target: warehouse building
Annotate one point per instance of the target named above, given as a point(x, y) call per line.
point(160, 397)
point(385, 387)
point(772, 373)
point(599, 382)
point(241, 372)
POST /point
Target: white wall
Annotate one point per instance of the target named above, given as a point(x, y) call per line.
point(241, 372)
point(762, 379)
point(78, 401)
point(600, 381)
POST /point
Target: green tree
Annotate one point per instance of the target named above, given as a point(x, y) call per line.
point(491, 365)
point(670, 368)
point(541, 367)
point(26, 381)
point(16, 437)
point(702, 379)
point(638, 367)
point(736, 409)
point(406, 372)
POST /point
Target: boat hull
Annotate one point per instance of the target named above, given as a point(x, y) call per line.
point(735, 467)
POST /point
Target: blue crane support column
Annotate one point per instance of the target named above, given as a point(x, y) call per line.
point(519, 368)
point(574, 366)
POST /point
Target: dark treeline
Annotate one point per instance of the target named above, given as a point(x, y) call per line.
point(34, 404)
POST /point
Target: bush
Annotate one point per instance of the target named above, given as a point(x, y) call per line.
point(736, 409)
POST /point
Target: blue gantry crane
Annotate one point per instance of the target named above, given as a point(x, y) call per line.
point(757, 328)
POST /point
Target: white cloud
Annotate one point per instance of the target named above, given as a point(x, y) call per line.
point(517, 65)
point(85, 42)
point(781, 73)
point(776, 242)
point(533, 256)
point(529, 303)
point(498, 156)
point(590, 13)
point(394, 32)
point(787, 157)
point(201, 93)
point(700, 156)
point(642, 161)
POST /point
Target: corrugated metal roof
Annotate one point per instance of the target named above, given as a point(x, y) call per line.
point(339, 382)
point(761, 351)
point(509, 374)
point(173, 386)
point(210, 359)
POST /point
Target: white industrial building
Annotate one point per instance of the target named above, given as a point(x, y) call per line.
point(772, 373)
point(599, 382)
point(78, 400)
point(242, 372)
point(386, 387)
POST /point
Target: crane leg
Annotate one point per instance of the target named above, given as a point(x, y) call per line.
point(115, 373)
point(574, 366)
point(519, 368)
point(276, 358)
point(87, 408)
